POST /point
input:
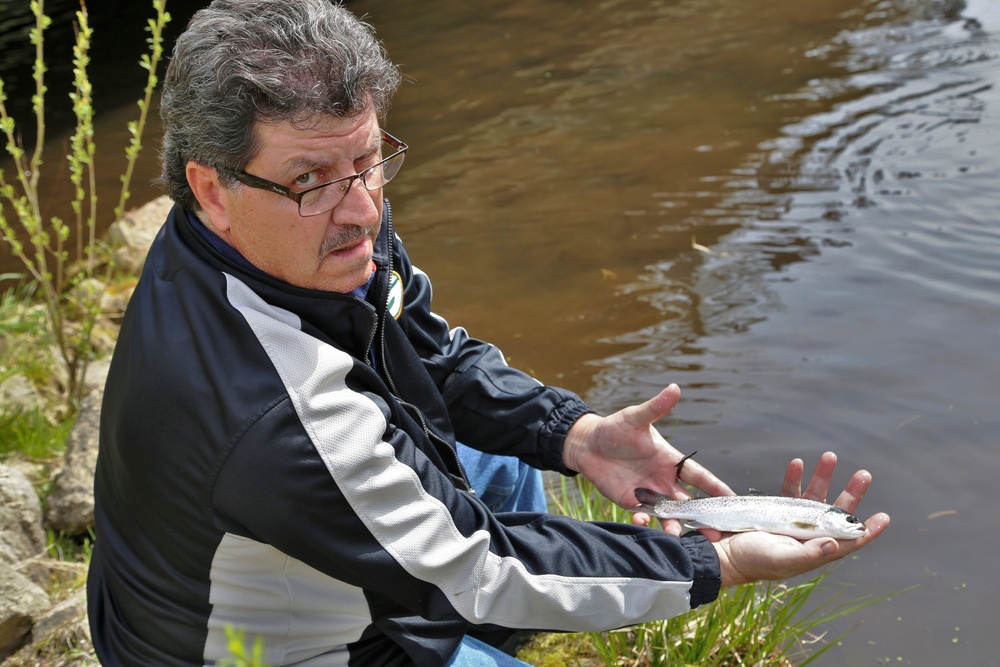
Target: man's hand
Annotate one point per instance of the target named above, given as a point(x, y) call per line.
point(756, 556)
point(623, 451)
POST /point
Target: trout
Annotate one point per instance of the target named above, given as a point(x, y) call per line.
point(796, 517)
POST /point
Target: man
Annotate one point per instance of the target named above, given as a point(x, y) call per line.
point(279, 434)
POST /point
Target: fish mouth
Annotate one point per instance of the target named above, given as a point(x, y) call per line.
point(853, 533)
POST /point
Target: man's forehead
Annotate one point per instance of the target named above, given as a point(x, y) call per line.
point(317, 140)
point(319, 129)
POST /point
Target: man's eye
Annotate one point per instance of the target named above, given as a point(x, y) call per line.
point(305, 180)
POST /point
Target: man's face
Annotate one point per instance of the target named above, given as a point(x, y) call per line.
point(331, 251)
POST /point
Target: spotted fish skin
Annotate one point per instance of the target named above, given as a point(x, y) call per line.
point(796, 517)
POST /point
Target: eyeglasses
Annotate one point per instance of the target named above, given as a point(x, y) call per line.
point(323, 198)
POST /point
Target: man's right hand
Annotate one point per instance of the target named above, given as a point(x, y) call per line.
point(757, 556)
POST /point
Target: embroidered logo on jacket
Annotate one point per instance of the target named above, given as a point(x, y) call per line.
point(395, 302)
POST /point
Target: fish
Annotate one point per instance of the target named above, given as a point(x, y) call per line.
point(800, 518)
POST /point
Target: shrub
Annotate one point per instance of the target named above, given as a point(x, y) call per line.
point(67, 290)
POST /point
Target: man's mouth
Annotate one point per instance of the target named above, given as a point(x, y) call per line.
point(345, 238)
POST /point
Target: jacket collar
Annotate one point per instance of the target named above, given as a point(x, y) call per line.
point(346, 320)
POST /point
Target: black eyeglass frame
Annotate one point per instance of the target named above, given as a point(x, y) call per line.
point(296, 196)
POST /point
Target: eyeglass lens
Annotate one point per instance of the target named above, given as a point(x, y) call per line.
point(326, 198)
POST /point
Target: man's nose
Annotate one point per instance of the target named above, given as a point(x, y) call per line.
point(358, 206)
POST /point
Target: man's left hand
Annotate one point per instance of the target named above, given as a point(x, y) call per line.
point(623, 451)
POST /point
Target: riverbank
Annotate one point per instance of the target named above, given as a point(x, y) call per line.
point(47, 519)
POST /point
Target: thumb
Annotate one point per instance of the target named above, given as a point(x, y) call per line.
point(655, 408)
point(822, 547)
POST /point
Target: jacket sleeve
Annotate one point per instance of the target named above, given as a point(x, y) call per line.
point(493, 407)
point(369, 510)
point(331, 476)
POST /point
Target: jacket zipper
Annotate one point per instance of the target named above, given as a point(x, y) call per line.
point(390, 235)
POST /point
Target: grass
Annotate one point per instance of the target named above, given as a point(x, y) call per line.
point(32, 434)
point(24, 340)
point(754, 625)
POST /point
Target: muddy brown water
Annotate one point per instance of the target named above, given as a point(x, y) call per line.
point(789, 209)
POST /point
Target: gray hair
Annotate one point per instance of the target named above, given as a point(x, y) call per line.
point(244, 62)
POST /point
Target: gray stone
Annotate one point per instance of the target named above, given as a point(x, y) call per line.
point(134, 233)
point(71, 503)
point(21, 602)
point(64, 620)
point(17, 493)
point(96, 375)
point(19, 393)
point(22, 538)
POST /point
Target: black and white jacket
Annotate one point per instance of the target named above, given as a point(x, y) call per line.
point(281, 461)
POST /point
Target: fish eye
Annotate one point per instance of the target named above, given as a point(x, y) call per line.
point(850, 518)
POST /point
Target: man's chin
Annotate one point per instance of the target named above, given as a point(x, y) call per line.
point(344, 274)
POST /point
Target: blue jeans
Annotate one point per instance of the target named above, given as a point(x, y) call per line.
point(474, 653)
point(504, 483)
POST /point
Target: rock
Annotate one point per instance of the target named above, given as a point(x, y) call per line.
point(108, 298)
point(134, 233)
point(86, 295)
point(19, 393)
point(17, 549)
point(116, 298)
point(71, 503)
point(96, 375)
point(21, 602)
point(21, 535)
point(66, 620)
point(19, 495)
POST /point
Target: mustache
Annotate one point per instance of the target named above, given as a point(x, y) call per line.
point(345, 236)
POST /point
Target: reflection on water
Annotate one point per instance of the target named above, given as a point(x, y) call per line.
point(119, 38)
point(787, 208)
point(571, 153)
point(906, 167)
point(855, 308)
point(17, 53)
point(118, 80)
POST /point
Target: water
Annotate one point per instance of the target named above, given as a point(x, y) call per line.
point(787, 208)
point(118, 82)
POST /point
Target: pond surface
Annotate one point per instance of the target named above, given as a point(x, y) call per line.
point(789, 209)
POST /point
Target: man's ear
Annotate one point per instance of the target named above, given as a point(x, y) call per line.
point(211, 194)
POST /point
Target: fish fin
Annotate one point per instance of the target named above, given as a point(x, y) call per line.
point(805, 525)
point(698, 525)
point(642, 507)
